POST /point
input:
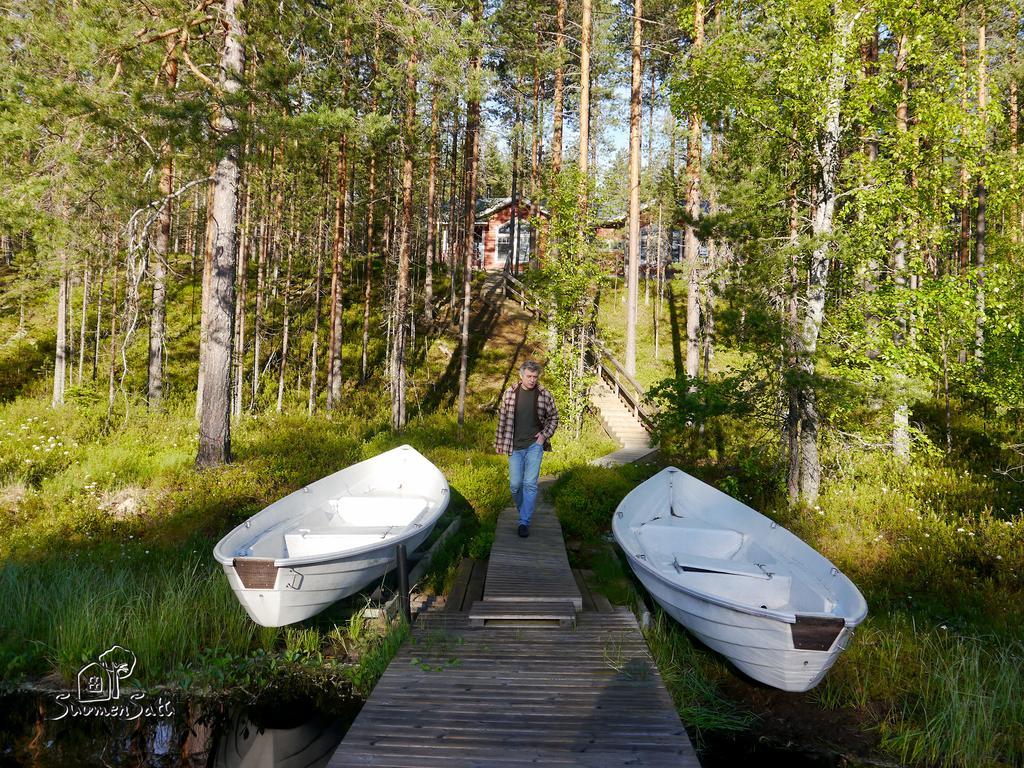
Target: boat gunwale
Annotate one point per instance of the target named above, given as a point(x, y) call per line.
point(343, 554)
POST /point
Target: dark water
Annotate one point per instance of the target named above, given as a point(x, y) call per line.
point(734, 751)
point(42, 731)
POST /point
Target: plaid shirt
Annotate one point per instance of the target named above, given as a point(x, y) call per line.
point(547, 415)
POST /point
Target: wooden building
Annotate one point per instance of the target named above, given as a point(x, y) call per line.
point(657, 235)
point(493, 232)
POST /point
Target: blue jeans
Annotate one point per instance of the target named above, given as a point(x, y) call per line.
point(523, 471)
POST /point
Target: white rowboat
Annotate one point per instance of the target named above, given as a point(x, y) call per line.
point(333, 537)
point(745, 586)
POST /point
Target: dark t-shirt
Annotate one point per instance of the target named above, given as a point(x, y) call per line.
point(526, 425)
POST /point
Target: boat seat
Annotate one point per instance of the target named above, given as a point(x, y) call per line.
point(357, 530)
point(687, 563)
point(672, 539)
point(324, 541)
point(348, 511)
point(739, 581)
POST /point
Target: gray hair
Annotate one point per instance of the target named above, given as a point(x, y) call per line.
point(529, 365)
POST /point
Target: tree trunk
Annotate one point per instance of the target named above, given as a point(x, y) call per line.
point(69, 325)
point(113, 334)
point(633, 268)
point(659, 273)
point(584, 153)
point(398, 383)
point(469, 213)
point(792, 321)
point(157, 331)
point(313, 347)
point(558, 107)
point(242, 291)
point(336, 306)
point(285, 320)
point(215, 419)
point(824, 195)
point(261, 292)
point(693, 163)
point(650, 119)
point(979, 223)
point(510, 260)
point(428, 277)
point(60, 360)
point(535, 132)
point(371, 202)
point(85, 312)
point(99, 320)
point(964, 241)
point(368, 282)
point(205, 294)
point(901, 414)
point(1015, 209)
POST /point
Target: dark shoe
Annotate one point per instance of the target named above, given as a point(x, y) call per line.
point(524, 531)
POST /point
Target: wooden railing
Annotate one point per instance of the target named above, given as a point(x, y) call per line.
point(513, 287)
point(626, 388)
point(605, 364)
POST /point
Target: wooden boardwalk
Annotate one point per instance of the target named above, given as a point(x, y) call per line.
point(533, 569)
point(520, 689)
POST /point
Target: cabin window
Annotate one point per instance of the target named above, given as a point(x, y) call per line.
point(504, 243)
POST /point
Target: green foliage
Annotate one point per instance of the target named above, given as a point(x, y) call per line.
point(586, 497)
point(566, 285)
point(375, 655)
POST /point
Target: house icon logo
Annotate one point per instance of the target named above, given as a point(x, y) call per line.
point(100, 694)
point(100, 680)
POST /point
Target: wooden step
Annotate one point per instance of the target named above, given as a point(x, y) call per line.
point(533, 613)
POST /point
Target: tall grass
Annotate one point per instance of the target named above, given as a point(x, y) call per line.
point(941, 698)
point(167, 610)
point(691, 675)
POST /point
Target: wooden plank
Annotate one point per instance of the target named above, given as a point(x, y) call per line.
point(515, 609)
point(457, 594)
point(601, 603)
point(581, 585)
point(457, 696)
point(533, 568)
point(475, 590)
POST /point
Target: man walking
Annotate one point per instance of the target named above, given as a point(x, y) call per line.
point(527, 419)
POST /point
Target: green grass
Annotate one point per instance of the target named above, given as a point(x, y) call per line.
point(939, 697)
point(61, 612)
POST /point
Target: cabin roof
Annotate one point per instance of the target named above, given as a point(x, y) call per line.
point(488, 206)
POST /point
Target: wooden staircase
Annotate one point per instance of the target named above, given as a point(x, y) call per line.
point(622, 424)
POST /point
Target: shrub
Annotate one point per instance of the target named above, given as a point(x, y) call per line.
point(586, 497)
